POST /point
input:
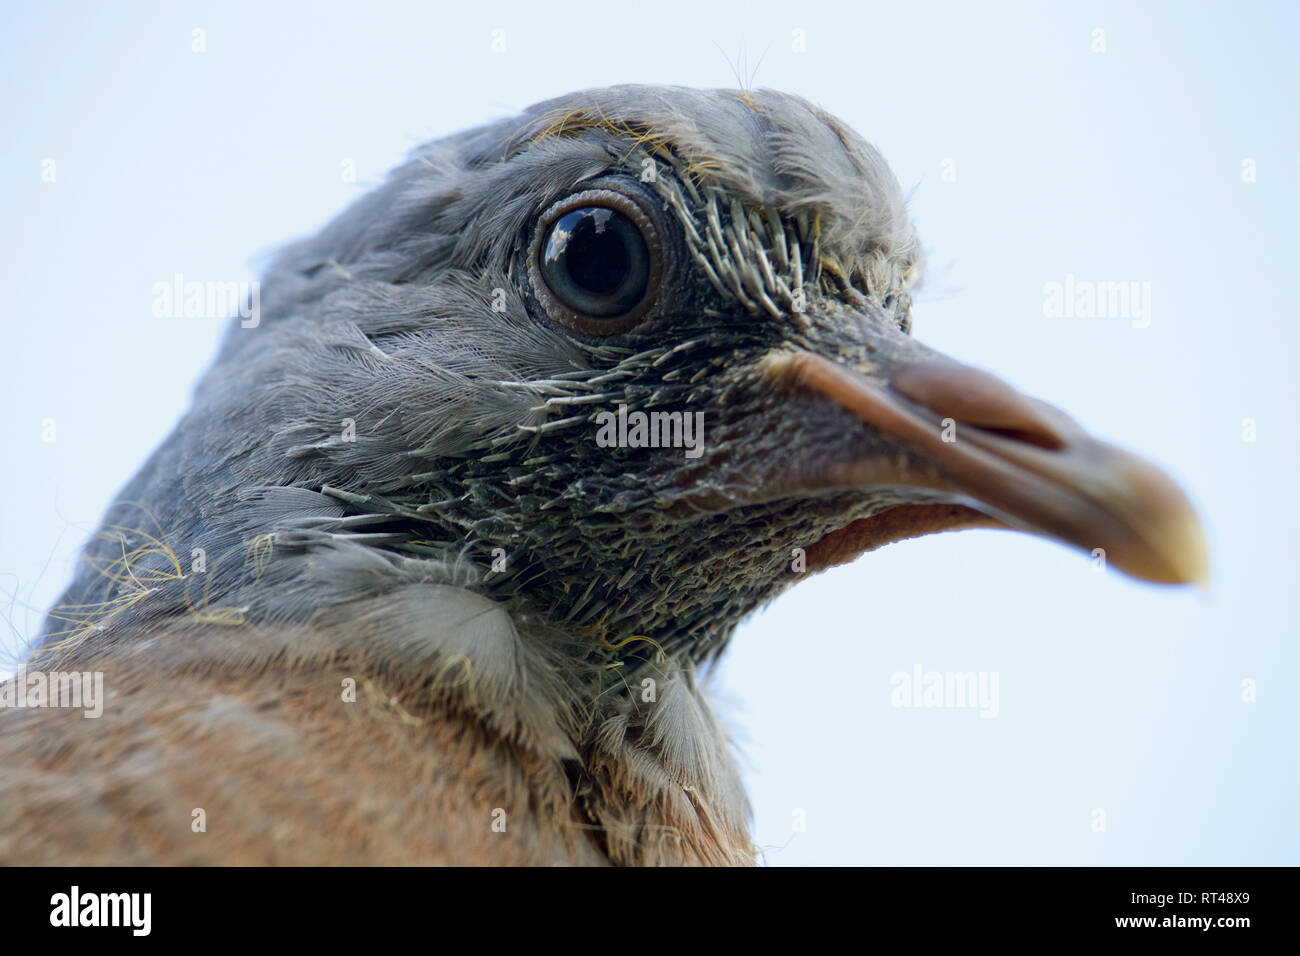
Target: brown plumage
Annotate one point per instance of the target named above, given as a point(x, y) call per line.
point(299, 755)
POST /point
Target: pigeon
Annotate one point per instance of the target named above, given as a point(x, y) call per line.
point(436, 567)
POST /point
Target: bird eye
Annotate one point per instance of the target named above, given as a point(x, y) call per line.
point(598, 261)
point(595, 261)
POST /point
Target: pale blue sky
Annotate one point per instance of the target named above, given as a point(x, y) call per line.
point(1113, 166)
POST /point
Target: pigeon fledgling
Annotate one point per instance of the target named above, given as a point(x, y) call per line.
point(432, 569)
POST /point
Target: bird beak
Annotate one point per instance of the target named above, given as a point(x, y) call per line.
point(1017, 460)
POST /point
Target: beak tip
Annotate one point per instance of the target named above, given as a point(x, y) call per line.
point(1200, 566)
point(1192, 550)
point(1186, 555)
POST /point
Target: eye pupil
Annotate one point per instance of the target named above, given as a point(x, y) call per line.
point(595, 261)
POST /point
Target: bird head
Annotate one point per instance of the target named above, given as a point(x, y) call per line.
point(632, 363)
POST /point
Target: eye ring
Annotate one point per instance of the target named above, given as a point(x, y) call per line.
point(596, 262)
